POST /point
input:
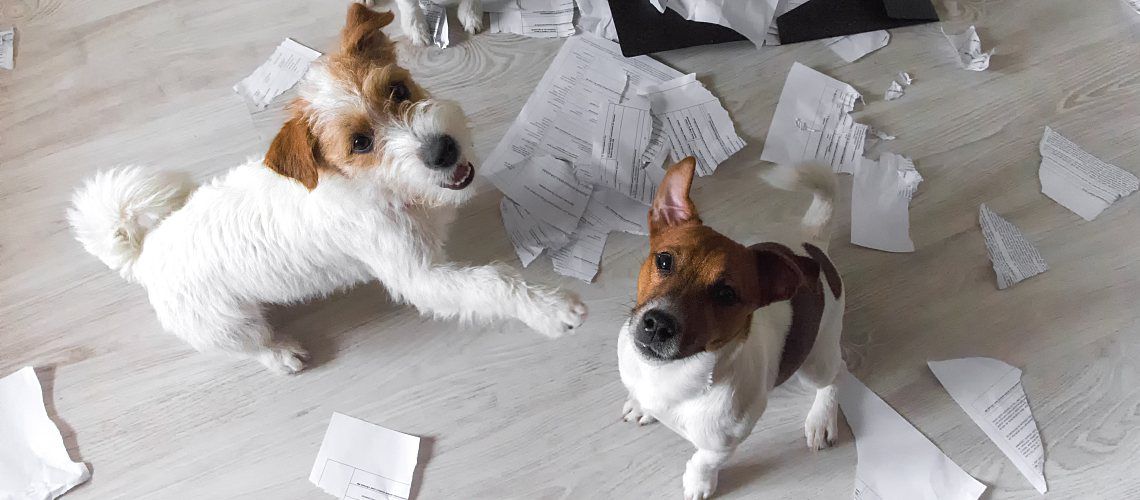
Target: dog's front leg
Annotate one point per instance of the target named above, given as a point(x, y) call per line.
point(701, 472)
point(413, 23)
point(483, 293)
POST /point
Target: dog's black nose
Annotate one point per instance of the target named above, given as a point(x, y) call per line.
point(657, 326)
point(441, 151)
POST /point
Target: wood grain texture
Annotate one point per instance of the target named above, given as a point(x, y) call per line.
point(505, 413)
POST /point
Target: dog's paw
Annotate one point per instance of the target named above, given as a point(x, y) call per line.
point(558, 313)
point(285, 357)
point(417, 30)
point(821, 427)
point(699, 483)
point(632, 412)
point(471, 16)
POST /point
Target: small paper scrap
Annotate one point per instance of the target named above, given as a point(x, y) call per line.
point(1078, 180)
point(34, 463)
point(1014, 258)
point(1135, 4)
point(533, 18)
point(894, 460)
point(7, 47)
point(894, 91)
point(851, 48)
point(694, 122)
point(880, 203)
point(284, 69)
point(359, 460)
point(969, 48)
point(904, 78)
point(991, 393)
point(435, 16)
point(811, 122)
point(594, 16)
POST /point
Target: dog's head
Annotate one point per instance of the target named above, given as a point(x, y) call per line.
point(697, 289)
point(360, 116)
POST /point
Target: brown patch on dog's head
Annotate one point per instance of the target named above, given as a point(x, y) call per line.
point(346, 100)
point(697, 289)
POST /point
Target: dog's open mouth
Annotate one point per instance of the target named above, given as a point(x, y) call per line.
point(461, 176)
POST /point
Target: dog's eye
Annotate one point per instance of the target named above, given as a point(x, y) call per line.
point(663, 261)
point(724, 294)
point(400, 92)
point(361, 143)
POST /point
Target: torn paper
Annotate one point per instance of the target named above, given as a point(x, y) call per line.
point(772, 37)
point(608, 211)
point(628, 150)
point(811, 122)
point(1078, 180)
point(969, 49)
point(359, 460)
point(529, 235)
point(894, 91)
point(904, 78)
point(533, 18)
point(548, 189)
point(991, 393)
point(7, 47)
point(560, 118)
point(1014, 258)
point(1135, 4)
point(895, 461)
point(694, 122)
point(284, 69)
point(435, 16)
point(34, 463)
point(594, 16)
point(880, 203)
point(851, 48)
point(750, 18)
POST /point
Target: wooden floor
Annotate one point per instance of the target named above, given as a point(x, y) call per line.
point(505, 413)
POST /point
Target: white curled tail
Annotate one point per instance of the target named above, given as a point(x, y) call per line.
point(113, 211)
point(816, 178)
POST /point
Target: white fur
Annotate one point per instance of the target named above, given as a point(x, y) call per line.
point(251, 237)
point(816, 178)
point(714, 399)
point(470, 15)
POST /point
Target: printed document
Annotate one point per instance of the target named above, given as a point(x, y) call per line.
point(284, 69)
point(1078, 180)
point(1014, 257)
point(812, 122)
point(359, 460)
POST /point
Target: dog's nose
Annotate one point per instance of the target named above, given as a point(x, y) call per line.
point(658, 326)
point(441, 151)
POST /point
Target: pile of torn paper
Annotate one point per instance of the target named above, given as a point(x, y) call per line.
point(586, 153)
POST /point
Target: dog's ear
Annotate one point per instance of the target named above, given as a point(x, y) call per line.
point(671, 205)
point(361, 36)
point(295, 153)
point(777, 272)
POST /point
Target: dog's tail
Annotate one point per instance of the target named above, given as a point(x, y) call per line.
point(113, 211)
point(820, 181)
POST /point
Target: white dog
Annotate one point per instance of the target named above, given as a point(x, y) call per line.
point(359, 184)
point(470, 13)
point(718, 325)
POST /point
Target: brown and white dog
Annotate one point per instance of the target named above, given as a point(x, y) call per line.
point(719, 324)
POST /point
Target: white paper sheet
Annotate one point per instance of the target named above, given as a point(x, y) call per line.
point(812, 122)
point(772, 37)
point(904, 78)
point(895, 461)
point(1135, 4)
point(851, 48)
point(34, 464)
point(694, 122)
point(990, 392)
point(7, 47)
point(548, 189)
point(1014, 257)
point(534, 18)
point(623, 135)
point(360, 460)
point(608, 211)
point(594, 16)
point(529, 235)
point(435, 16)
point(561, 117)
point(747, 17)
point(1078, 180)
point(284, 69)
point(880, 203)
point(969, 49)
point(894, 91)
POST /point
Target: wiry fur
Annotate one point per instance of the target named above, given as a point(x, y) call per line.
point(257, 235)
point(816, 178)
point(412, 21)
point(715, 398)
